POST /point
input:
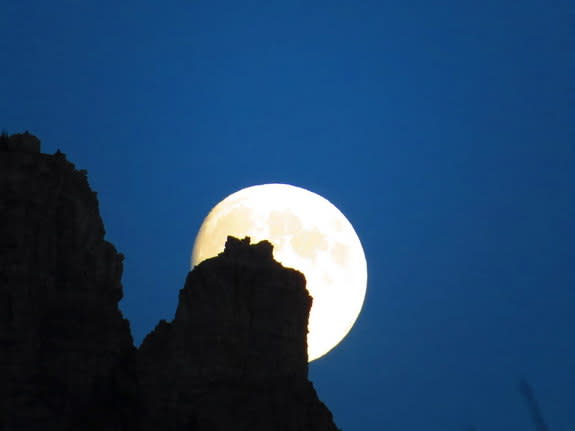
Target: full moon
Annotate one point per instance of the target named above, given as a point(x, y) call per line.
point(308, 234)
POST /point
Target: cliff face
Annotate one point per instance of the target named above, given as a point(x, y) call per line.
point(234, 358)
point(63, 341)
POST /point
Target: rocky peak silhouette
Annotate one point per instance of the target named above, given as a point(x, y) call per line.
point(233, 358)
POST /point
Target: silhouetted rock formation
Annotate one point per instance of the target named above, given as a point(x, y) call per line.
point(234, 358)
point(20, 142)
point(64, 345)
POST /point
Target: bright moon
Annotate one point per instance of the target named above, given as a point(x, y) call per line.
point(309, 234)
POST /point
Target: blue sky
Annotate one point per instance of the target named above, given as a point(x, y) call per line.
point(442, 130)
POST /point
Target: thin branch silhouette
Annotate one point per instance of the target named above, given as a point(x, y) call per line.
point(532, 405)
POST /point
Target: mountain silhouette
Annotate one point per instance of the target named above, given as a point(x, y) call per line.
point(233, 358)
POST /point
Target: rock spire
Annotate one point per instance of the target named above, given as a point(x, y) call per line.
point(233, 358)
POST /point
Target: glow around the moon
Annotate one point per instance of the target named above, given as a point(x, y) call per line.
point(309, 234)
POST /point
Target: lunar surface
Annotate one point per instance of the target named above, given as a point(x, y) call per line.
point(309, 234)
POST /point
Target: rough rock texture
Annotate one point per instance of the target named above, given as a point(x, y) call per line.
point(234, 358)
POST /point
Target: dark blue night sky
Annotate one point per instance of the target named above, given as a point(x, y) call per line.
point(443, 130)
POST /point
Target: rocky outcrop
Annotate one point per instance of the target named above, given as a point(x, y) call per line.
point(20, 142)
point(64, 346)
point(234, 357)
